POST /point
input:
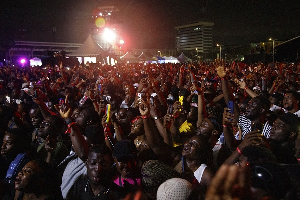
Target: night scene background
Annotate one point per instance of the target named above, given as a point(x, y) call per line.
point(150, 23)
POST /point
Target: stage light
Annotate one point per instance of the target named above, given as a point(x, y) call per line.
point(109, 35)
point(121, 42)
point(22, 61)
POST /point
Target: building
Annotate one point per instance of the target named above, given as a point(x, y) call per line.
point(30, 49)
point(195, 37)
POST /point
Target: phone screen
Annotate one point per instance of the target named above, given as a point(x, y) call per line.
point(230, 106)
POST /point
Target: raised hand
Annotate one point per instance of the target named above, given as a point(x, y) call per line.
point(231, 183)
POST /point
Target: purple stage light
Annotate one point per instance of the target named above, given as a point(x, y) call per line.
point(22, 61)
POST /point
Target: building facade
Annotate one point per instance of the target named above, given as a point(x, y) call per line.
point(195, 37)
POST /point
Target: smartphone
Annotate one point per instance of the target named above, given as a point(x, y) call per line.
point(99, 87)
point(151, 100)
point(170, 109)
point(230, 106)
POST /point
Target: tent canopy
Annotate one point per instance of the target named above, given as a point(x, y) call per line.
point(89, 49)
point(183, 58)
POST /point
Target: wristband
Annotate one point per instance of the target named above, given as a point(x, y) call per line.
point(239, 151)
point(69, 127)
point(223, 79)
point(246, 88)
point(146, 116)
point(175, 116)
point(224, 126)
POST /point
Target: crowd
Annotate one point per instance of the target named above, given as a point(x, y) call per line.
point(150, 131)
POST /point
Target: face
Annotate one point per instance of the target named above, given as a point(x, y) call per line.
point(36, 119)
point(253, 109)
point(280, 131)
point(99, 168)
point(289, 101)
point(192, 148)
point(125, 167)
point(206, 128)
point(137, 127)
point(27, 178)
point(192, 114)
point(83, 118)
point(9, 147)
point(45, 128)
point(122, 116)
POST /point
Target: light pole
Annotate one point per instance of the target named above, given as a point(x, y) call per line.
point(159, 53)
point(218, 45)
point(273, 40)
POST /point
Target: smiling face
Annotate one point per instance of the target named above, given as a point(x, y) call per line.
point(195, 148)
point(137, 127)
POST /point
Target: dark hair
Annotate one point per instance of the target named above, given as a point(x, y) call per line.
point(22, 137)
point(256, 153)
point(47, 178)
point(264, 102)
point(101, 149)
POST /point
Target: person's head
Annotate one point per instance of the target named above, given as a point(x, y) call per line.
point(270, 180)
point(137, 127)
point(125, 157)
point(87, 116)
point(209, 127)
point(50, 125)
point(276, 99)
point(99, 165)
point(197, 148)
point(285, 128)
point(291, 101)
point(174, 188)
point(126, 115)
point(37, 177)
point(243, 105)
point(256, 154)
point(15, 141)
point(192, 115)
point(257, 107)
point(154, 173)
point(36, 116)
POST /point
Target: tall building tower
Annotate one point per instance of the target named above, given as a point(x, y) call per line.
point(195, 37)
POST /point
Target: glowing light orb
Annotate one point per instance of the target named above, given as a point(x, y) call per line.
point(121, 42)
point(22, 61)
point(100, 22)
point(109, 35)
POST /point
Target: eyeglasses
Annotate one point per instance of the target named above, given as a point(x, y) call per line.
point(45, 124)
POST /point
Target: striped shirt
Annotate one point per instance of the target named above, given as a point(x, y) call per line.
point(245, 125)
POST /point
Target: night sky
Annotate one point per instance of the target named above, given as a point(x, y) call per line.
point(150, 23)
